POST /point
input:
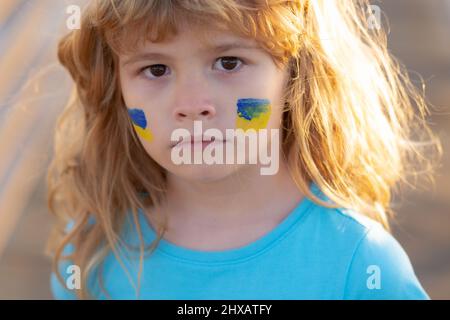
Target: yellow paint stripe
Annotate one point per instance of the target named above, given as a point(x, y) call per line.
point(144, 133)
point(255, 123)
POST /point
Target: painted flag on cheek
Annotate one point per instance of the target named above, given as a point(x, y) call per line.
point(140, 124)
point(253, 113)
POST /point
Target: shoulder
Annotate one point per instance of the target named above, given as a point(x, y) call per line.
point(60, 290)
point(372, 261)
point(378, 267)
point(65, 289)
point(340, 222)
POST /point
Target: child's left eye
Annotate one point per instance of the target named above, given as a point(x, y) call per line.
point(229, 63)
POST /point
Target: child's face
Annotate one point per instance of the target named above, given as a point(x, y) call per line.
point(186, 81)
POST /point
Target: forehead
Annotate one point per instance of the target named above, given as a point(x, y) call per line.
point(194, 40)
point(185, 31)
point(196, 36)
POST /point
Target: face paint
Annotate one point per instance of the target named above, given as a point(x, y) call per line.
point(253, 113)
point(140, 124)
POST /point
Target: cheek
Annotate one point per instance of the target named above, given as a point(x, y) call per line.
point(140, 124)
point(253, 113)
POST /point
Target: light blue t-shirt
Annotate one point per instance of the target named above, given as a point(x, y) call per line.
point(314, 253)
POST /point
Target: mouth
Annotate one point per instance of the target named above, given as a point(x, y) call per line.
point(203, 140)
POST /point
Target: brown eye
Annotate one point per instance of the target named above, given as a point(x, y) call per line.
point(229, 63)
point(156, 70)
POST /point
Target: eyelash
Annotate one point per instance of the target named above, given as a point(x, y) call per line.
point(142, 70)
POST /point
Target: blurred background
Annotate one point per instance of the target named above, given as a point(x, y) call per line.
point(34, 90)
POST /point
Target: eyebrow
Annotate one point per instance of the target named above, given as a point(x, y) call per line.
point(214, 49)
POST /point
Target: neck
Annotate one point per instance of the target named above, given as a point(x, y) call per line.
point(245, 198)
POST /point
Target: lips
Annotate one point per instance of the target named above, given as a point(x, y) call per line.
point(205, 140)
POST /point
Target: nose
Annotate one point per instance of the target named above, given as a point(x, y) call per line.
point(195, 111)
point(193, 102)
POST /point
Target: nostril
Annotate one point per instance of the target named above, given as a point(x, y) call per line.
point(205, 113)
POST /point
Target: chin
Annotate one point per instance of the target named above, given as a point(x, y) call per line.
point(204, 172)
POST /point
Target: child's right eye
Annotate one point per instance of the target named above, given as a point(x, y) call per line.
point(154, 71)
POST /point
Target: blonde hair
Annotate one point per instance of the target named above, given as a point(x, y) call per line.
point(353, 123)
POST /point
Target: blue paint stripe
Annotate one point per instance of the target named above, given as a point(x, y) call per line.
point(249, 108)
point(138, 117)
